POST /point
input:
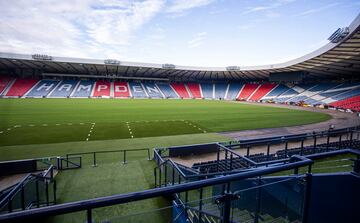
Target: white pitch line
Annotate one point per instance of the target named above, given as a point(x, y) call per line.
point(90, 131)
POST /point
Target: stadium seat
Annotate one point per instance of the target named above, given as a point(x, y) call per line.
point(20, 87)
point(167, 90)
point(194, 90)
point(137, 90)
point(64, 89)
point(84, 89)
point(262, 91)
point(153, 91)
point(247, 91)
point(4, 82)
point(278, 90)
point(180, 90)
point(102, 89)
point(220, 90)
point(234, 89)
point(207, 90)
point(121, 90)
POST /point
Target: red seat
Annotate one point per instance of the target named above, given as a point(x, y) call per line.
point(20, 87)
point(121, 89)
point(247, 91)
point(102, 88)
point(180, 90)
point(194, 89)
point(262, 91)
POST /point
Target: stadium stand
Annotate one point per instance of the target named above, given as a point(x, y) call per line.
point(20, 87)
point(207, 90)
point(194, 90)
point(63, 89)
point(152, 90)
point(247, 91)
point(121, 90)
point(137, 90)
point(102, 89)
point(278, 90)
point(220, 90)
point(234, 89)
point(262, 91)
point(180, 90)
point(167, 90)
point(4, 82)
point(83, 89)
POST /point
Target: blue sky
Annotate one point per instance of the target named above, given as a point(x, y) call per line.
point(182, 32)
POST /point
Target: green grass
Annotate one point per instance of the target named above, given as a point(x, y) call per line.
point(41, 121)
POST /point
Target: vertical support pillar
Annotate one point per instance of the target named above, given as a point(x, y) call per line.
point(286, 149)
point(248, 151)
point(89, 216)
point(302, 147)
point(124, 161)
point(268, 152)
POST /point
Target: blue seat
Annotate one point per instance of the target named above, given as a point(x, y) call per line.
point(84, 89)
point(167, 90)
point(233, 91)
point(152, 90)
point(43, 88)
point(137, 90)
point(220, 90)
point(64, 89)
point(207, 90)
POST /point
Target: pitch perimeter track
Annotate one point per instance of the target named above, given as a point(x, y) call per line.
point(339, 120)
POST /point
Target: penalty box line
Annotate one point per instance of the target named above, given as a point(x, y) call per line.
point(90, 131)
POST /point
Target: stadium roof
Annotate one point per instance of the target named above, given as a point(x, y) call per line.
point(338, 58)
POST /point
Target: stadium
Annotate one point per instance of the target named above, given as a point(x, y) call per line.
point(107, 140)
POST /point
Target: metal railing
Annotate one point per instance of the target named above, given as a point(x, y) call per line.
point(90, 204)
point(95, 153)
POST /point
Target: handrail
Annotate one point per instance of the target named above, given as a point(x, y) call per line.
point(21, 183)
point(87, 205)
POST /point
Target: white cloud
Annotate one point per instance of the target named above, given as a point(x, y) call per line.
point(79, 28)
point(316, 10)
point(265, 8)
point(197, 40)
point(179, 6)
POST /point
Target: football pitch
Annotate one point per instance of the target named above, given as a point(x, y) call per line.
point(43, 121)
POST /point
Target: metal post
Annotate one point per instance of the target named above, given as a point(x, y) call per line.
point(248, 151)
point(37, 193)
point(173, 176)
point(340, 141)
point(227, 209)
point(217, 160)
point(286, 148)
point(155, 173)
point(231, 161)
point(268, 152)
point(22, 197)
point(67, 158)
point(258, 203)
point(327, 142)
point(124, 161)
point(47, 193)
point(314, 151)
point(351, 138)
point(54, 183)
point(307, 197)
point(94, 160)
point(200, 204)
point(89, 216)
point(148, 150)
point(165, 175)
point(302, 147)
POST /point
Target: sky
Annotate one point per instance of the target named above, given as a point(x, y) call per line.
point(213, 33)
